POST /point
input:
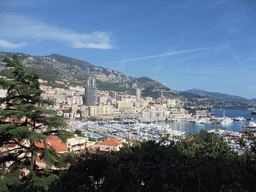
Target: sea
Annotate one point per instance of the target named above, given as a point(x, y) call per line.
point(236, 126)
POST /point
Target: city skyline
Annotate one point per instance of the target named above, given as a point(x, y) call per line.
point(183, 45)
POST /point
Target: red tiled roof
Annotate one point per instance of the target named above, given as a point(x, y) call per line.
point(38, 159)
point(111, 142)
point(56, 143)
point(9, 144)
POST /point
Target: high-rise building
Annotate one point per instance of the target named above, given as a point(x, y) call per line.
point(138, 93)
point(91, 93)
point(91, 82)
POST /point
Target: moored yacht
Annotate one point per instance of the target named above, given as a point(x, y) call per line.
point(253, 112)
point(239, 119)
point(251, 125)
point(226, 121)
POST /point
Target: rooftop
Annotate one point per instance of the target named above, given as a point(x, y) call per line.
point(56, 143)
point(111, 142)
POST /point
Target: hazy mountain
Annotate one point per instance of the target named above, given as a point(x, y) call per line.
point(253, 101)
point(219, 96)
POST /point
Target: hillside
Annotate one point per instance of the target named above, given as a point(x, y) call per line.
point(253, 101)
point(56, 68)
point(62, 71)
point(219, 96)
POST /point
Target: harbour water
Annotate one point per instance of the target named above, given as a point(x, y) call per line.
point(236, 126)
point(103, 130)
point(122, 130)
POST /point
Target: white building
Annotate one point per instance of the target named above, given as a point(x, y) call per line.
point(77, 144)
point(138, 93)
point(109, 145)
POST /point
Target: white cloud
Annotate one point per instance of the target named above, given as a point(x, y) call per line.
point(19, 27)
point(7, 44)
point(235, 56)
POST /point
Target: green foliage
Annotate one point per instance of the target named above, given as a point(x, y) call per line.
point(194, 164)
point(10, 181)
point(115, 87)
point(164, 138)
point(82, 176)
point(7, 73)
point(94, 119)
point(36, 182)
point(203, 162)
point(251, 149)
point(23, 122)
point(79, 118)
point(118, 118)
point(204, 143)
point(81, 135)
point(92, 139)
point(71, 158)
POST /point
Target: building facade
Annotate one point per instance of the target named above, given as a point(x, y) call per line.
point(138, 93)
point(91, 93)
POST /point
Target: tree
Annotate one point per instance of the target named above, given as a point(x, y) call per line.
point(248, 143)
point(203, 162)
point(204, 144)
point(24, 122)
point(84, 174)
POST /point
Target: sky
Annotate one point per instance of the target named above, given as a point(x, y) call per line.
point(183, 44)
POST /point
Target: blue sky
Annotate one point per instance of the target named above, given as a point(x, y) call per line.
point(183, 44)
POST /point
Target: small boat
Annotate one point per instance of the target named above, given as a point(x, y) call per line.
point(226, 121)
point(250, 125)
point(253, 112)
point(246, 130)
point(239, 119)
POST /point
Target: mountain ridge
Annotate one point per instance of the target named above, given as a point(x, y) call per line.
point(56, 67)
point(221, 96)
point(70, 71)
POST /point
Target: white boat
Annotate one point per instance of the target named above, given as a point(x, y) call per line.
point(203, 121)
point(239, 119)
point(250, 125)
point(226, 121)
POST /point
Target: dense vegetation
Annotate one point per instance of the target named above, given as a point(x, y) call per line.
point(202, 162)
point(23, 123)
point(114, 87)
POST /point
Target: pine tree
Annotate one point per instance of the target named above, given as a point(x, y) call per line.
point(24, 121)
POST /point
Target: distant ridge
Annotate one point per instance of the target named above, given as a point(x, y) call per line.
point(220, 96)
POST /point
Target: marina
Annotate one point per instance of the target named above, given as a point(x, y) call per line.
point(139, 131)
point(231, 127)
